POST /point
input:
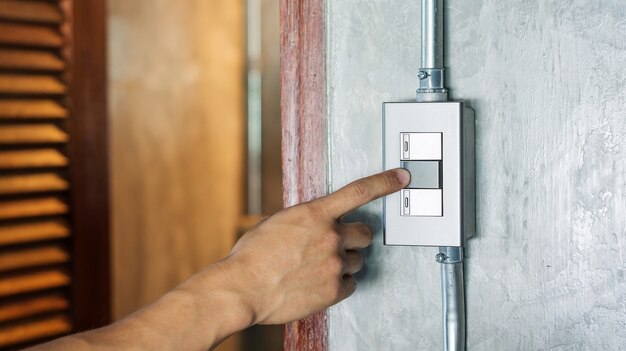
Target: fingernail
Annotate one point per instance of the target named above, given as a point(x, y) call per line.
point(404, 177)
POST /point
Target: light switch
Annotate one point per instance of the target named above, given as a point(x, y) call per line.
point(434, 141)
point(421, 146)
point(424, 174)
point(422, 202)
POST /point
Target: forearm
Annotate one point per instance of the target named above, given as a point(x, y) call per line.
point(197, 315)
point(295, 263)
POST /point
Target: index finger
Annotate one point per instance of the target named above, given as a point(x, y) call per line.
point(362, 191)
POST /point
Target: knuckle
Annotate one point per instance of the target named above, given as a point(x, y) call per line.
point(357, 259)
point(350, 285)
point(368, 240)
point(362, 235)
point(361, 190)
point(360, 259)
point(366, 230)
point(309, 213)
point(335, 266)
point(390, 180)
point(369, 235)
point(294, 213)
point(332, 240)
point(332, 290)
point(312, 210)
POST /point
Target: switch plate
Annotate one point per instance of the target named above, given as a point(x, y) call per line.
point(444, 216)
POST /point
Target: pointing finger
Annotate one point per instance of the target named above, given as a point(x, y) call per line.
point(362, 191)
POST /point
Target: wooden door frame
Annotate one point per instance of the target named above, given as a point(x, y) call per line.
point(303, 118)
point(88, 151)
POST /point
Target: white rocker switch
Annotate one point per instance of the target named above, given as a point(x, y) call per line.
point(421, 146)
point(421, 155)
point(422, 202)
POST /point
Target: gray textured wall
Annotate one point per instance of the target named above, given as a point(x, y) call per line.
point(548, 81)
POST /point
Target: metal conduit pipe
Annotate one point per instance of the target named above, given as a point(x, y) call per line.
point(432, 33)
point(431, 75)
point(431, 89)
point(453, 297)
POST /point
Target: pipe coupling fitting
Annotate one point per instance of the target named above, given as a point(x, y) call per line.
point(450, 255)
point(431, 85)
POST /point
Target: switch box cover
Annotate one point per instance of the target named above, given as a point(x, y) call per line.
point(434, 141)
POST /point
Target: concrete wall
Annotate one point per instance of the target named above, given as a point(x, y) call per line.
point(548, 81)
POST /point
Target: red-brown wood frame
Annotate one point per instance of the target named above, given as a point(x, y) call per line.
point(303, 117)
point(91, 276)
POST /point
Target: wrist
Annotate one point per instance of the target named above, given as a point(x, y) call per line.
point(220, 300)
point(198, 314)
point(260, 294)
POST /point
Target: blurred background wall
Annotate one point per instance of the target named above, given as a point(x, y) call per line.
point(177, 117)
point(177, 129)
point(181, 104)
point(194, 140)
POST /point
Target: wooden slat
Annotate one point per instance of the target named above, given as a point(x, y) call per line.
point(32, 306)
point(38, 158)
point(32, 109)
point(32, 11)
point(31, 134)
point(32, 232)
point(35, 330)
point(30, 60)
point(30, 35)
point(32, 257)
point(30, 282)
point(32, 183)
point(30, 84)
point(32, 208)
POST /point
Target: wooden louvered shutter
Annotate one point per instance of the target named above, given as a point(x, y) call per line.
point(44, 219)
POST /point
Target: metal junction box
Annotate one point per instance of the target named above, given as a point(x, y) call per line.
point(434, 141)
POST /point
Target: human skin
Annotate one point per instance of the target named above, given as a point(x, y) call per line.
point(297, 262)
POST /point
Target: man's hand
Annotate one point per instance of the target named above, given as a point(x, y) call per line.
point(297, 262)
point(302, 259)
